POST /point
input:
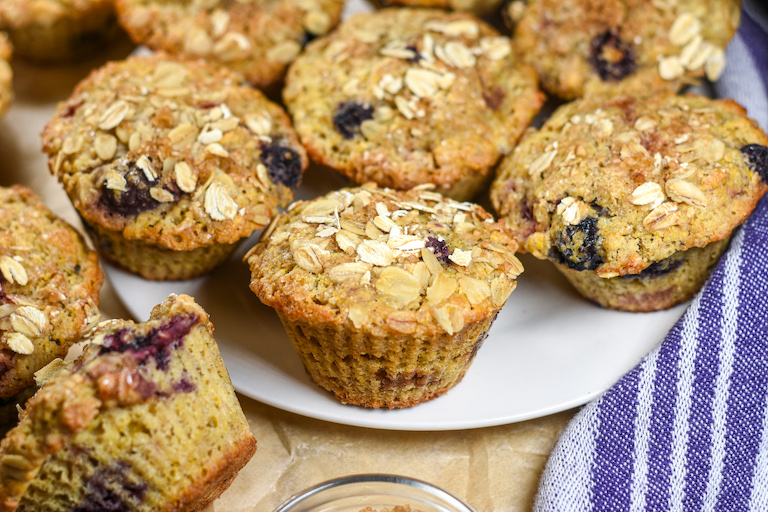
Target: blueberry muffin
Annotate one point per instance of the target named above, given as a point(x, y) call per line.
point(258, 38)
point(49, 288)
point(58, 30)
point(386, 295)
point(634, 199)
point(6, 74)
point(404, 97)
point(170, 163)
point(145, 420)
point(581, 47)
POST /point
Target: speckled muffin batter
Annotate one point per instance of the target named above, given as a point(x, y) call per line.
point(146, 420)
point(386, 295)
point(621, 192)
point(582, 47)
point(49, 288)
point(55, 30)
point(258, 38)
point(171, 162)
point(6, 74)
point(410, 96)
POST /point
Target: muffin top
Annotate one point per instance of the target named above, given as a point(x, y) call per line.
point(173, 152)
point(385, 261)
point(49, 287)
point(258, 38)
point(582, 47)
point(19, 13)
point(614, 185)
point(410, 96)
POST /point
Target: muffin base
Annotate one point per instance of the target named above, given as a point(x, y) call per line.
point(155, 262)
point(686, 272)
point(69, 38)
point(395, 372)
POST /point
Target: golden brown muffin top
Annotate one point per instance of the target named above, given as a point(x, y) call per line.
point(614, 185)
point(383, 261)
point(179, 153)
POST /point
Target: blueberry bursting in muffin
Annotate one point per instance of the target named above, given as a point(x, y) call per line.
point(171, 163)
point(145, 420)
point(634, 199)
point(583, 47)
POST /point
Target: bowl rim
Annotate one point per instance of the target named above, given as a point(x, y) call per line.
point(448, 497)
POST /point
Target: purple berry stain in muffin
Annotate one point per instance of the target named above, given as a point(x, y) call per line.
point(110, 490)
point(757, 155)
point(657, 269)
point(156, 344)
point(349, 117)
point(439, 247)
point(283, 164)
point(578, 246)
point(611, 57)
point(133, 197)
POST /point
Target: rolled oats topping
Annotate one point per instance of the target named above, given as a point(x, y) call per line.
point(49, 288)
point(415, 96)
point(617, 47)
point(257, 39)
point(184, 155)
point(670, 176)
point(446, 262)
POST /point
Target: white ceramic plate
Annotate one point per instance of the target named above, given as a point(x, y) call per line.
point(549, 349)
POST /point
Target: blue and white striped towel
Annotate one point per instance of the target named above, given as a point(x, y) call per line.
point(687, 429)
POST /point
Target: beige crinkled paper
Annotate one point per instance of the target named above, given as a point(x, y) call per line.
point(494, 469)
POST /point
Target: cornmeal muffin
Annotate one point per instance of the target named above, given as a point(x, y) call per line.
point(6, 74)
point(581, 47)
point(258, 38)
point(634, 199)
point(404, 97)
point(170, 163)
point(58, 30)
point(49, 288)
point(145, 420)
point(386, 295)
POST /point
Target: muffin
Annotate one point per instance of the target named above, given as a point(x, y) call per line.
point(634, 199)
point(581, 47)
point(58, 30)
point(386, 295)
point(403, 97)
point(6, 74)
point(477, 7)
point(49, 288)
point(257, 38)
point(145, 420)
point(170, 163)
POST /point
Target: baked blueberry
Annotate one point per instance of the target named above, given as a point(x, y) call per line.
point(757, 155)
point(350, 116)
point(579, 246)
point(284, 164)
point(612, 58)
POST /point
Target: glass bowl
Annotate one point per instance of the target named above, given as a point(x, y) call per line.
point(380, 492)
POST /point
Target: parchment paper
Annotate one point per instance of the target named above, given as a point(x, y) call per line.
point(494, 469)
